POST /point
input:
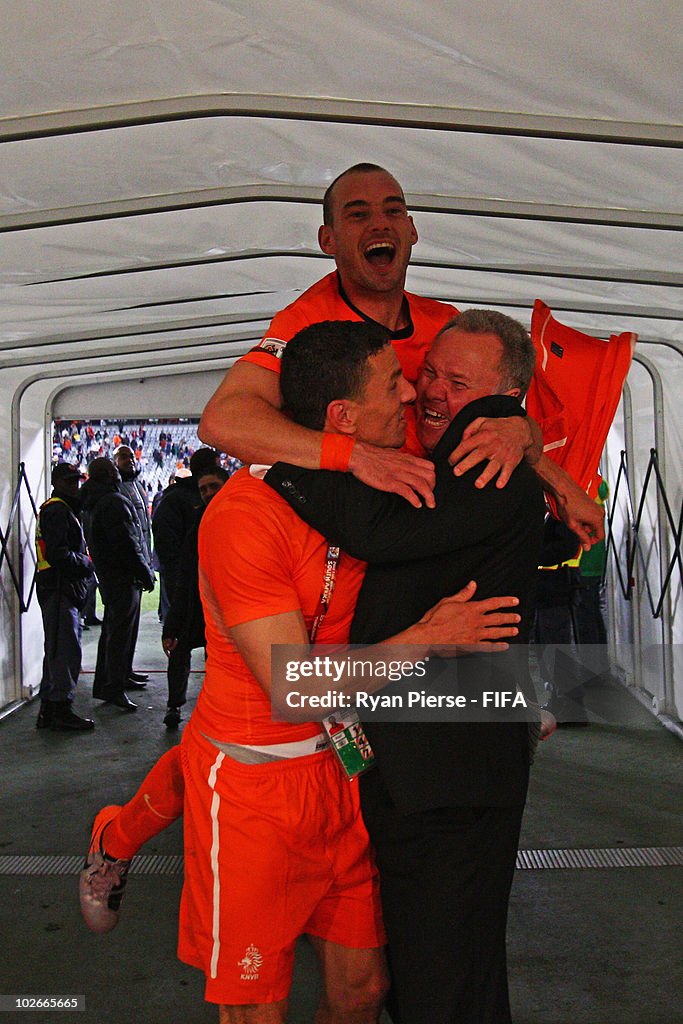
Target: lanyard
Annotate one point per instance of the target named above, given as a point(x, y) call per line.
point(329, 580)
point(346, 736)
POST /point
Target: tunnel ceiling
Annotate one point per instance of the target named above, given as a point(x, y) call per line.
point(161, 164)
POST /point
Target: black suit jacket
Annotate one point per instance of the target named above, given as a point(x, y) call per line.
point(416, 557)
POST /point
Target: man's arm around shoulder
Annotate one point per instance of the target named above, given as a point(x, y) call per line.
point(379, 527)
point(244, 418)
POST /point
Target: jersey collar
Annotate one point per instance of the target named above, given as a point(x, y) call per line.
point(404, 332)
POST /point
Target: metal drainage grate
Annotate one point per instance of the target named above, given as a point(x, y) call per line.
point(530, 860)
point(153, 864)
point(621, 857)
point(527, 860)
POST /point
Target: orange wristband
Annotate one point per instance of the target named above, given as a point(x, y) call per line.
point(335, 452)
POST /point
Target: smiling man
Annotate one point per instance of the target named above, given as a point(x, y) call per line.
point(369, 232)
point(458, 370)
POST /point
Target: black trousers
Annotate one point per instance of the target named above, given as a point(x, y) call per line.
point(164, 596)
point(445, 876)
point(119, 633)
point(62, 651)
point(178, 674)
point(89, 612)
point(135, 629)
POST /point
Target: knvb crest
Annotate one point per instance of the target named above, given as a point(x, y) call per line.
point(251, 964)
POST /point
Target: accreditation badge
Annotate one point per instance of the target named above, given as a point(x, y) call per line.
point(347, 738)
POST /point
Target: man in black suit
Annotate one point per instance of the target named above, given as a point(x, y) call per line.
point(444, 804)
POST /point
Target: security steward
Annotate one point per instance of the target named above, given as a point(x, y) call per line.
point(63, 570)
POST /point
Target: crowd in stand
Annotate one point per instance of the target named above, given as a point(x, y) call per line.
point(162, 449)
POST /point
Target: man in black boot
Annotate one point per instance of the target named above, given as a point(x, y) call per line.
point(63, 571)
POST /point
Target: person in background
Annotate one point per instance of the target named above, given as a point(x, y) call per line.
point(590, 597)
point(129, 471)
point(162, 606)
point(184, 624)
point(569, 635)
point(63, 571)
point(173, 517)
point(90, 606)
point(123, 568)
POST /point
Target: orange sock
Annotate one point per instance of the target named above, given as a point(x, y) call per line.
point(155, 806)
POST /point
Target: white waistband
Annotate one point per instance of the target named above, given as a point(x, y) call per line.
point(255, 754)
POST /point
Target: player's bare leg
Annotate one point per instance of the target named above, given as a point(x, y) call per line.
point(262, 1013)
point(356, 982)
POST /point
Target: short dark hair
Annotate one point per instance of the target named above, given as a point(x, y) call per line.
point(103, 470)
point(363, 168)
point(518, 361)
point(203, 460)
point(217, 471)
point(325, 361)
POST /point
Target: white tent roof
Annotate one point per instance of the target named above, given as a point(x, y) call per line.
point(543, 139)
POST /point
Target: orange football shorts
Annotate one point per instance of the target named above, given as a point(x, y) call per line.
point(272, 851)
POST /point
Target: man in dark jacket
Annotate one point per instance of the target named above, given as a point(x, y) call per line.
point(184, 623)
point(173, 518)
point(123, 568)
point(130, 485)
point(125, 462)
point(64, 568)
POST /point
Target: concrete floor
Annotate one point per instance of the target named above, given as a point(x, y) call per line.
point(587, 945)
